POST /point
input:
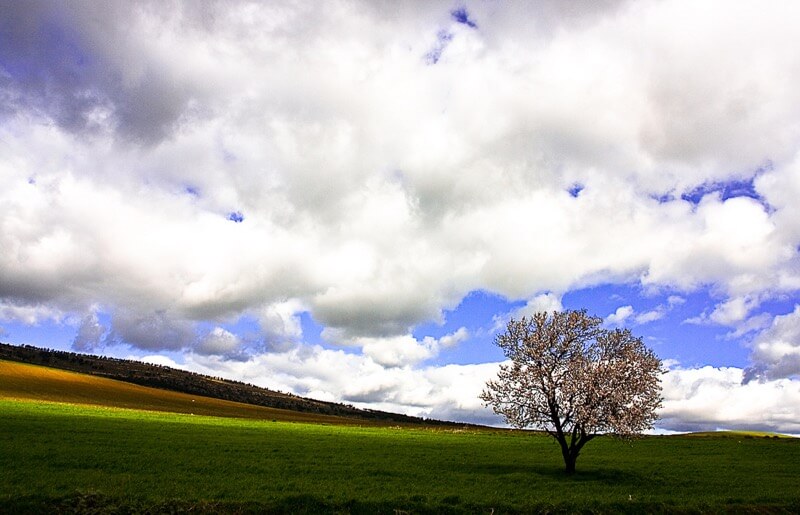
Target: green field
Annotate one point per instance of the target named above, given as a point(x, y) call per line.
point(66, 457)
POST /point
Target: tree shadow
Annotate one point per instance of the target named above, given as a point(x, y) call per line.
point(587, 475)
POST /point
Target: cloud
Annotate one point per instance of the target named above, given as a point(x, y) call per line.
point(28, 313)
point(547, 302)
point(382, 195)
point(451, 340)
point(220, 342)
point(736, 312)
point(620, 315)
point(98, 69)
point(708, 398)
point(280, 323)
point(776, 350)
point(751, 324)
point(449, 392)
point(151, 331)
point(188, 165)
point(675, 300)
point(650, 316)
point(625, 313)
point(780, 186)
point(443, 39)
point(543, 302)
point(398, 351)
point(733, 310)
point(91, 334)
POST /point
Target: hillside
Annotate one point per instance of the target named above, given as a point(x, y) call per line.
point(23, 381)
point(166, 378)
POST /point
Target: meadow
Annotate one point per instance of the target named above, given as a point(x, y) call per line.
point(72, 442)
point(62, 457)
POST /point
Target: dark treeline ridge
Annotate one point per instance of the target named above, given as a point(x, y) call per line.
point(167, 378)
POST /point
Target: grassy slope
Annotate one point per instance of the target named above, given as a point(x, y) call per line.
point(33, 382)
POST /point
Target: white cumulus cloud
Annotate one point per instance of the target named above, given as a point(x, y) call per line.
point(708, 398)
point(180, 166)
point(619, 316)
point(776, 349)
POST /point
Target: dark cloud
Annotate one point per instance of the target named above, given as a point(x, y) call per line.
point(219, 342)
point(375, 395)
point(48, 65)
point(75, 63)
point(91, 334)
point(151, 331)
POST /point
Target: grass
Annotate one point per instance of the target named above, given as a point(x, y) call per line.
point(81, 458)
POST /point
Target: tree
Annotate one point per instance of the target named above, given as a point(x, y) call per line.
point(575, 379)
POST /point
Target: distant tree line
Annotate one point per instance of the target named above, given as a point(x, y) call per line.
point(167, 378)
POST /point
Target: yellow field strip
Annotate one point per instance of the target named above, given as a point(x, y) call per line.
point(33, 382)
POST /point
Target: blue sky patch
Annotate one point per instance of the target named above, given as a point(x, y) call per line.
point(664, 198)
point(674, 324)
point(727, 190)
point(312, 331)
point(575, 190)
point(478, 312)
point(443, 39)
point(462, 16)
point(662, 320)
point(48, 334)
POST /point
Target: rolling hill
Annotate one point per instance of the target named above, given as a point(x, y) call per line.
point(22, 381)
point(165, 379)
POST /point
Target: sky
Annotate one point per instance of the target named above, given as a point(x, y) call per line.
point(348, 200)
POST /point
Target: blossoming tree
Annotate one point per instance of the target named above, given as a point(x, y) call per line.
point(575, 379)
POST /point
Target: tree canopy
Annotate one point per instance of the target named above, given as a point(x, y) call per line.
point(575, 379)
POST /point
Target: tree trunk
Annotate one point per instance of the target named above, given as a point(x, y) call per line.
point(570, 456)
point(571, 449)
point(569, 462)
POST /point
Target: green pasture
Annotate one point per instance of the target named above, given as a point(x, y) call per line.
point(61, 457)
